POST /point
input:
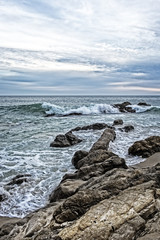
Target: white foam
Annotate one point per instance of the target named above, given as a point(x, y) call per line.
point(84, 110)
point(141, 109)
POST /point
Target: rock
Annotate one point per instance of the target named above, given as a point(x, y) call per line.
point(124, 107)
point(118, 122)
point(149, 162)
point(101, 220)
point(143, 104)
point(127, 128)
point(65, 190)
point(19, 179)
point(103, 142)
point(2, 197)
point(66, 140)
point(145, 148)
point(95, 126)
point(78, 156)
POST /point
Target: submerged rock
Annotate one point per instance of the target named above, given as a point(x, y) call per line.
point(145, 148)
point(143, 104)
point(66, 140)
point(19, 179)
point(118, 122)
point(127, 128)
point(95, 126)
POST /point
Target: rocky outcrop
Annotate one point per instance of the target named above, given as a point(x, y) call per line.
point(124, 107)
point(145, 148)
point(95, 126)
point(65, 140)
point(103, 200)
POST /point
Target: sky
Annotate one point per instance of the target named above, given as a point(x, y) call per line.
point(79, 47)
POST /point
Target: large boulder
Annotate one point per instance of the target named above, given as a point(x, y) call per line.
point(145, 148)
point(65, 140)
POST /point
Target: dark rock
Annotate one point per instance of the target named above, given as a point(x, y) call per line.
point(95, 126)
point(78, 156)
point(127, 128)
point(143, 104)
point(118, 122)
point(50, 115)
point(66, 140)
point(2, 197)
point(145, 148)
point(19, 179)
point(103, 142)
point(123, 107)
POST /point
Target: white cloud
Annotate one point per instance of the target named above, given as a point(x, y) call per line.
point(82, 36)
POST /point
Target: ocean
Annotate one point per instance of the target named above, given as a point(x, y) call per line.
point(26, 134)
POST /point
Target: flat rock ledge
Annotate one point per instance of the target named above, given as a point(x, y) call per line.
point(103, 200)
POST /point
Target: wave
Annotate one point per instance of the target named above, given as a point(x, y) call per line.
point(96, 109)
point(142, 109)
point(52, 109)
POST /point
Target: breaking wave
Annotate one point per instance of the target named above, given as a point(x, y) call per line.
point(96, 109)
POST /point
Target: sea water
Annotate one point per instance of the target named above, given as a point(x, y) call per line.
point(26, 134)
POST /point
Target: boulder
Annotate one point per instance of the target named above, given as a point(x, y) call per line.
point(66, 140)
point(118, 122)
point(78, 156)
point(127, 128)
point(124, 107)
point(145, 148)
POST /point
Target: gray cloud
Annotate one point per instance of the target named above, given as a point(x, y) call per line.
point(79, 47)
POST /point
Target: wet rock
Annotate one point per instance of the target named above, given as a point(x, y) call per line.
point(66, 140)
point(124, 107)
point(145, 148)
point(19, 179)
point(2, 197)
point(78, 156)
point(143, 104)
point(127, 128)
point(95, 126)
point(103, 142)
point(118, 122)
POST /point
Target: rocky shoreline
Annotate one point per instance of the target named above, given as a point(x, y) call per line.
point(103, 200)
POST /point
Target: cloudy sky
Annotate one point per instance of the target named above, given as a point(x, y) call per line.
point(60, 47)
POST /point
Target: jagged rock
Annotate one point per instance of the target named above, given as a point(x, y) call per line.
point(78, 156)
point(145, 148)
point(118, 122)
point(19, 179)
point(2, 197)
point(127, 128)
point(143, 104)
point(103, 142)
point(95, 126)
point(66, 140)
point(101, 220)
point(124, 107)
point(65, 189)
